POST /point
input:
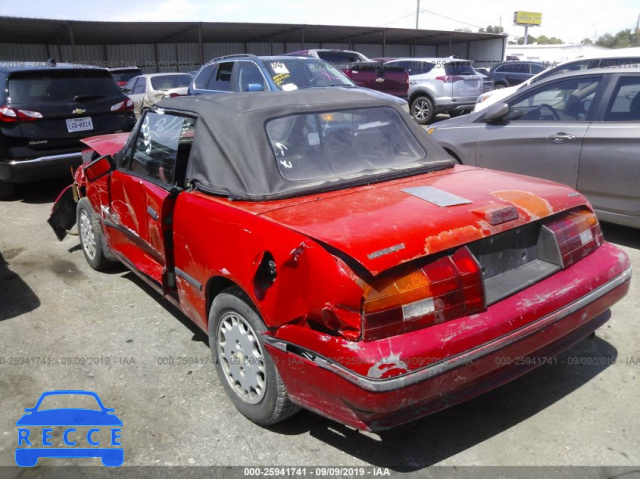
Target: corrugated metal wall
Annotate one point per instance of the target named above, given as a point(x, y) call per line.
point(167, 57)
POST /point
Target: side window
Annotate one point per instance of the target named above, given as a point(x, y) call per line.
point(535, 68)
point(221, 78)
point(625, 102)
point(140, 87)
point(502, 69)
point(566, 100)
point(248, 73)
point(162, 146)
point(128, 88)
point(204, 76)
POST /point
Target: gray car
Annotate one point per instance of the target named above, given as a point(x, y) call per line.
point(440, 85)
point(581, 129)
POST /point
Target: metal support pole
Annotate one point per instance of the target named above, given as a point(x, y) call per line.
point(73, 46)
point(526, 34)
point(200, 44)
point(417, 14)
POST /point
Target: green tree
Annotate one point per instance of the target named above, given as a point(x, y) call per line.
point(491, 29)
point(622, 39)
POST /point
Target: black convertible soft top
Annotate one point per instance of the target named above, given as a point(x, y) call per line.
point(232, 155)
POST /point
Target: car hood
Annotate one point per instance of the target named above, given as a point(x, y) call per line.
point(495, 96)
point(383, 225)
point(69, 417)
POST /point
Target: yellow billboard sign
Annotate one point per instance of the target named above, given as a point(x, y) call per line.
point(527, 18)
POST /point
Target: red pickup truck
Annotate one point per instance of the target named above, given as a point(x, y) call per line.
point(363, 71)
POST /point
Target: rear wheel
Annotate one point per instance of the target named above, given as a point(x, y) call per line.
point(6, 189)
point(499, 86)
point(91, 238)
point(422, 110)
point(243, 364)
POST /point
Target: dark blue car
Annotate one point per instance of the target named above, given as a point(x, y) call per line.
point(513, 73)
point(103, 417)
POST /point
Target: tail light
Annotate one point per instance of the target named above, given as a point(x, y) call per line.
point(577, 234)
point(8, 114)
point(126, 105)
point(450, 78)
point(173, 95)
point(445, 289)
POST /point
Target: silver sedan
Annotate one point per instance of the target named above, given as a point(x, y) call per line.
point(581, 129)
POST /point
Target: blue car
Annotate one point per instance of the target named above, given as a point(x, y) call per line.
point(69, 417)
point(236, 73)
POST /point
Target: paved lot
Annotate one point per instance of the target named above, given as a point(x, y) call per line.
point(65, 326)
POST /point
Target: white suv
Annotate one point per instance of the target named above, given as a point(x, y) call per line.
point(440, 85)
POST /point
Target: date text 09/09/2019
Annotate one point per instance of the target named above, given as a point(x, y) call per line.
point(324, 471)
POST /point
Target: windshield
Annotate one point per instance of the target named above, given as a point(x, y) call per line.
point(167, 82)
point(341, 143)
point(61, 86)
point(69, 401)
point(305, 73)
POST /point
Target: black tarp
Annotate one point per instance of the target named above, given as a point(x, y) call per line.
point(232, 155)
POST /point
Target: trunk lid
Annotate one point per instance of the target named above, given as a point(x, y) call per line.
point(384, 225)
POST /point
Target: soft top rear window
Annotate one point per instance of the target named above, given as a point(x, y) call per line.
point(459, 68)
point(342, 143)
point(58, 86)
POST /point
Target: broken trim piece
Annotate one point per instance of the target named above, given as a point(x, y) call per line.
point(193, 282)
point(399, 382)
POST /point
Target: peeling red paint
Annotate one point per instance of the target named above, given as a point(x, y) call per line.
point(532, 204)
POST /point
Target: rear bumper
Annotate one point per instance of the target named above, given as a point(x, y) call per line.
point(53, 166)
point(350, 385)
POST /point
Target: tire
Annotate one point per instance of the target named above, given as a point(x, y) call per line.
point(239, 354)
point(499, 86)
point(6, 189)
point(422, 110)
point(91, 237)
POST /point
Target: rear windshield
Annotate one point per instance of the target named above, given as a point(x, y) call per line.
point(58, 86)
point(297, 73)
point(459, 68)
point(341, 143)
point(167, 82)
point(125, 76)
point(341, 57)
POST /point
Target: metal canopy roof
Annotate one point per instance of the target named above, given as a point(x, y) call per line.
point(40, 31)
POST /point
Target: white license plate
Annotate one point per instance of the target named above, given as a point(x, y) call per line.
point(79, 124)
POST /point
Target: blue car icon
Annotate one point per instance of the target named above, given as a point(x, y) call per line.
point(99, 419)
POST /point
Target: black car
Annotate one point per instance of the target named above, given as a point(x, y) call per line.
point(46, 109)
point(513, 73)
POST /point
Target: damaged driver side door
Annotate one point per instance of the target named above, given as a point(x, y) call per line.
point(143, 190)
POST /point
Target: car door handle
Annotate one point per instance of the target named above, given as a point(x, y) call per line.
point(153, 213)
point(561, 138)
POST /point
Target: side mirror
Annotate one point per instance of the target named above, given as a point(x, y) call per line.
point(496, 113)
point(98, 168)
point(255, 87)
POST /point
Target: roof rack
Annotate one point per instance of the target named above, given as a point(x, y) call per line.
point(237, 55)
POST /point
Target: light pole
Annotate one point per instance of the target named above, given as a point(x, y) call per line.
point(417, 14)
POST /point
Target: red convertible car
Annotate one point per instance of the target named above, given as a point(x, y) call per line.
point(339, 260)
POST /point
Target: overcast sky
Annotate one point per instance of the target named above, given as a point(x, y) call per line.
point(570, 20)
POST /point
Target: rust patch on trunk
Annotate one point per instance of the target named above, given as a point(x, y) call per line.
point(531, 204)
point(448, 239)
